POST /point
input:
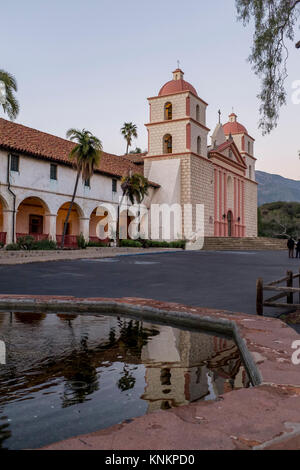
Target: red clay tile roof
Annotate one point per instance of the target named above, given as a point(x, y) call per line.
point(234, 128)
point(19, 138)
point(175, 86)
point(137, 158)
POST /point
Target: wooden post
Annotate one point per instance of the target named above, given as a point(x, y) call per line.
point(259, 296)
point(289, 283)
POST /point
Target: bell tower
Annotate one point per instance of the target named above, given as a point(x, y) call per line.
point(177, 145)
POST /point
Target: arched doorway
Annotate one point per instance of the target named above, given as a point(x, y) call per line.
point(73, 227)
point(230, 223)
point(31, 220)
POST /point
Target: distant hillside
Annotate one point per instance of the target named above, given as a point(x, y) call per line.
point(279, 219)
point(276, 188)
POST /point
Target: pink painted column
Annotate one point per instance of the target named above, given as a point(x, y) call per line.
point(220, 205)
point(188, 136)
point(239, 207)
point(225, 204)
point(243, 209)
point(188, 106)
point(235, 208)
point(216, 231)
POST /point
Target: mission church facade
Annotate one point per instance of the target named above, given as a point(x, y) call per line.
point(36, 177)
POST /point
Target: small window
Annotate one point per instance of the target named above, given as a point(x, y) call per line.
point(249, 147)
point(87, 183)
point(167, 144)
point(230, 153)
point(197, 113)
point(53, 171)
point(14, 163)
point(199, 145)
point(168, 111)
point(250, 172)
point(114, 185)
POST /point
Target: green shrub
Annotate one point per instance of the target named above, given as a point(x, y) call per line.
point(45, 245)
point(96, 244)
point(26, 243)
point(163, 244)
point(81, 242)
point(12, 247)
point(131, 243)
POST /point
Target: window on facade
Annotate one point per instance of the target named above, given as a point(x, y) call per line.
point(167, 144)
point(14, 163)
point(250, 172)
point(53, 171)
point(249, 147)
point(197, 113)
point(199, 145)
point(35, 224)
point(87, 183)
point(114, 185)
point(230, 153)
point(168, 111)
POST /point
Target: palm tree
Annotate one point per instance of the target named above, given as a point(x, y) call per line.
point(85, 156)
point(135, 188)
point(129, 130)
point(9, 103)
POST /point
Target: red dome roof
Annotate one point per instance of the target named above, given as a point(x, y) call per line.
point(175, 86)
point(234, 127)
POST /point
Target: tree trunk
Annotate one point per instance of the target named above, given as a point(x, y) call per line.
point(69, 210)
point(118, 222)
point(127, 147)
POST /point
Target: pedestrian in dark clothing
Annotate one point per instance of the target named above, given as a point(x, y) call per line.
point(298, 249)
point(291, 245)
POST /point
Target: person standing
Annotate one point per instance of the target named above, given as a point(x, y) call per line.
point(298, 249)
point(291, 245)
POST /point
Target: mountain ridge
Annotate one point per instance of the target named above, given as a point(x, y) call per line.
point(272, 188)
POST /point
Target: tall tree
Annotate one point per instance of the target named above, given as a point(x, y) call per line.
point(135, 188)
point(129, 130)
point(8, 87)
point(275, 22)
point(85, 156)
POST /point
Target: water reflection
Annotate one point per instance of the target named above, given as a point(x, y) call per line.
point(101, 370)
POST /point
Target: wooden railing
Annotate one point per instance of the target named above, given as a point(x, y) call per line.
point(69, 242)
point(291, 293)
point(3, 238)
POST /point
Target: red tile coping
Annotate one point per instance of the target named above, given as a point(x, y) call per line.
point(262, 417)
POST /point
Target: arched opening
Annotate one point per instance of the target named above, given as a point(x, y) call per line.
point(167, 144)
point(168, 111)
point(2, 232)
point(199, 145)
point(31, 220)
point(98, 231)
point(229, 223)
point(73, 227)
point(197, 113)
point(250, 172)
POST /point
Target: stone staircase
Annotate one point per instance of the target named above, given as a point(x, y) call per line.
point(238, 244)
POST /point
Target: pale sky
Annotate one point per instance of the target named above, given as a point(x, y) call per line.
point(92, 64)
